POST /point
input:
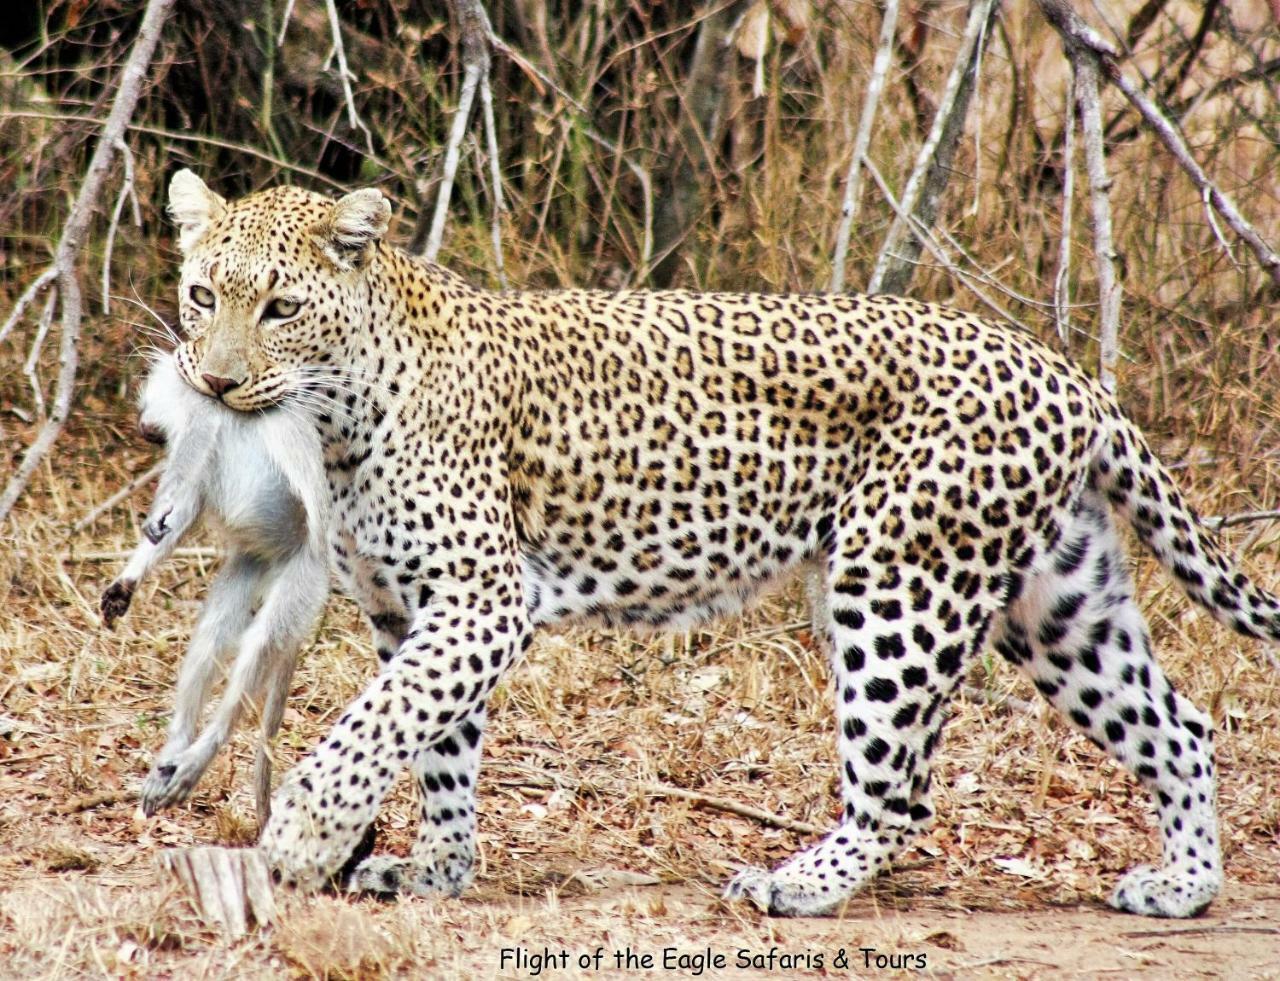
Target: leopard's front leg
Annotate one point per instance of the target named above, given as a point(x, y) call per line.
point(468, 630)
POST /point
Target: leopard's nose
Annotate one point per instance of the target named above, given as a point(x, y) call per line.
point(219, 385)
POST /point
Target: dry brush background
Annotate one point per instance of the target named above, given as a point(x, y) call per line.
point(596, 735)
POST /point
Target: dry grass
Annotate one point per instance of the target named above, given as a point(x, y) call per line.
point(1034, 824)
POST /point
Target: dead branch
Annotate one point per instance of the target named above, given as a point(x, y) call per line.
point(474, 25)
point(124, 492)
point(901, 249)
point(1062, 278)
point(701, 103)
point(861, 141)
point(731, 807)
point(344, 74)
point(495, 176)
point(1079, 36)
point(1088, 103)
point(72, 240)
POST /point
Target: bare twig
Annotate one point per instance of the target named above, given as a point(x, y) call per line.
point(1085, 74)
point(861, 141)
point(939, 254)
point(179, 136)
point(30, 368)
point(284, 22)
point(1079, 36)
point(458, 129)
point(1230, 520)
point(344, 74)
point(495, 175)
point(641, 174)
point(1208, 930)
point(901, 248)
point(126, 192)
point(730, 806)
point(73, 234)
point(124, 492)
point(475, 29)
point(43, 281)
point(1062, 278)
point(115, 555)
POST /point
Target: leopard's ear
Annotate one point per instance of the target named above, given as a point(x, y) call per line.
point(358, 221)
point(193, 207)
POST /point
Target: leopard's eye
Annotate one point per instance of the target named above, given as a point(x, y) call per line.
point(282, 309)
point(202, 296)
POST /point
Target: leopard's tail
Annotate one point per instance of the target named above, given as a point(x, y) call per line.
point(1141, 489)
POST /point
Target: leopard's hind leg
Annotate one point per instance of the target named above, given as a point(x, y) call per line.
point(1077, 633)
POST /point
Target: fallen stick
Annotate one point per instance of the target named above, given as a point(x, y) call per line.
point(89, 802)
point(118, 556)
point(731, 806)
point(655, 789)
point(117, 497)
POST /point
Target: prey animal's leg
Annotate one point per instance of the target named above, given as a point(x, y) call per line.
point(174, 509)
point(225, 617)
point(266, 658)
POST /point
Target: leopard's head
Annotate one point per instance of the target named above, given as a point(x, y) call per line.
point(273, 287)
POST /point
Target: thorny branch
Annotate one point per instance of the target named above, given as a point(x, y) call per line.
point(63, 267)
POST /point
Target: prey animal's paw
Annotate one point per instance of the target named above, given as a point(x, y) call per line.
point(115, 601)
point(156, 528)
point(171, 780)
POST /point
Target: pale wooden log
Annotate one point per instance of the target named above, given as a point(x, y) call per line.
point(229, 887)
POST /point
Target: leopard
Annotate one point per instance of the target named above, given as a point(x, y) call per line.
point(499, 462)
